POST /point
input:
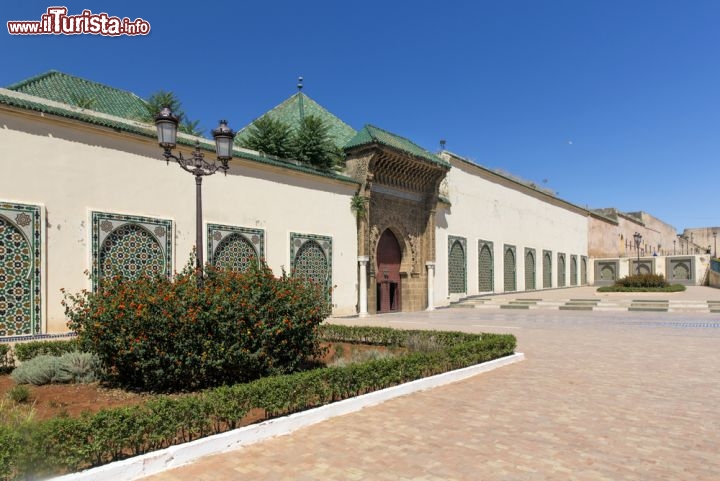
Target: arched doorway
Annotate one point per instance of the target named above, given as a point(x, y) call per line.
point(389, 256)
point(509, 269)
point(547, 270)
point(561, 270)
point(485, 268)
point(530, 270)
point(456, 267)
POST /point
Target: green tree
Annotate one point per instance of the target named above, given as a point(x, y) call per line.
point(270, 136)
point(163, 98)
point(312, 144)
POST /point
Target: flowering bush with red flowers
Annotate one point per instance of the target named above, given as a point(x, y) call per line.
point(160, 334)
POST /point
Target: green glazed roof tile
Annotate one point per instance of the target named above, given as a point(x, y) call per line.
point(292, 110)
point(75, 91)
point(371, 134)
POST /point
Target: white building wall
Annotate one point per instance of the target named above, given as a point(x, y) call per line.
point(72, 168)
point(488, 207)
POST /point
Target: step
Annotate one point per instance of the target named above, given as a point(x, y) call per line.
point(514, 306)
point(575, 308)
point(647, 309)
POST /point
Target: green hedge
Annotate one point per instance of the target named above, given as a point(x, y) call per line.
point(616, 288)
point(642, 283)
point(67, 444)
point(27, 350)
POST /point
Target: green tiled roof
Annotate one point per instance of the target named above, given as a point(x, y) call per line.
point(290, 110)
point(371, 134)
point(75, 91)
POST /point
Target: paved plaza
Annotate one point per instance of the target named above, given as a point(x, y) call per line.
point(602, 395)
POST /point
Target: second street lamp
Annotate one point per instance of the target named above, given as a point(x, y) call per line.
point(167, 124)
point(638, 238)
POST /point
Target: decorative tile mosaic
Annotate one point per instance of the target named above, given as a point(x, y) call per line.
point(583, 270)
point(311, 258)
point(509, 269)
point(486, 278)
point(233, 247)
point(573, 270)
point(457, 265)
point(131, 246)
point(20, 261)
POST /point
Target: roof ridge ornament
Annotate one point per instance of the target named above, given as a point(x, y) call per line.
point(300, 99)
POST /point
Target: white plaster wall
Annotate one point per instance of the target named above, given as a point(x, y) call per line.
point(488, 210)
point(72, 169)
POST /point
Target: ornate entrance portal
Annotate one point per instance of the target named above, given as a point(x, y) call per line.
point(399, 193)
point(389, 257)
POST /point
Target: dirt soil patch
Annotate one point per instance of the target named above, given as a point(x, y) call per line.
point(73, 399)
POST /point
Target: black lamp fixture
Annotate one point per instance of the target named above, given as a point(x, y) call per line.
point(167, 124)
point(637, 237)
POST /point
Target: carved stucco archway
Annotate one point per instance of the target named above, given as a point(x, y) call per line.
point(399, 182)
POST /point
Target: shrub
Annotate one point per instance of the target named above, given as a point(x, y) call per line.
point(158, 334)
point(37, 371)
point(82, 367)
point(643, 280)
point(70, 367)
point(642, 283)
point(7, 360)
point(19, 394)
point(28, 350)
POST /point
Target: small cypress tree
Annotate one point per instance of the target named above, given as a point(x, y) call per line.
point(270, 136)
point(312, 144)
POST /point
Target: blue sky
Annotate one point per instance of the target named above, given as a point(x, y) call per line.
point(610, 103)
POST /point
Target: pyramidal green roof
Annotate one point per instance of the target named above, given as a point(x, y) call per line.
point(292, 110)
point(71, 90)
point(371, 134)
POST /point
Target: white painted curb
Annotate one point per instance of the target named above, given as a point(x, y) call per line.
point(178, 455)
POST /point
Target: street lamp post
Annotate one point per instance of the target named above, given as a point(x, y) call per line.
point(715, 240)
point(167, 124)
point(638, 238)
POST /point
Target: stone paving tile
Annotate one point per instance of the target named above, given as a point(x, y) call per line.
point(599, 397)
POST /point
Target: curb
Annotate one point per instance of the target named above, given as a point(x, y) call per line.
point(182, 454)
